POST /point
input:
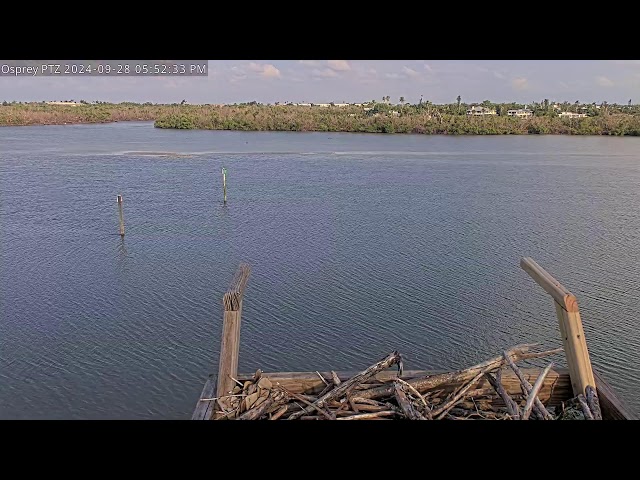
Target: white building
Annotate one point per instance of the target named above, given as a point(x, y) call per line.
point(571, 115)
point(479, 110)
point(521, 113)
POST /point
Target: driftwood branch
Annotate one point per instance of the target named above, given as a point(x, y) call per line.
point(519, 352)
point(534, 392)
point(526, 388)
point(369, 416)
point(345, 387)
point(427, 409)
point(281, 411)
point(440, 412)
point(593, 402)
point(405, 404)
point(322, 378)
point(256, 412)
point(496, 383)
point(320, 410)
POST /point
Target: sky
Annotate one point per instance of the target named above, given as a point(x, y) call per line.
point(324, 81)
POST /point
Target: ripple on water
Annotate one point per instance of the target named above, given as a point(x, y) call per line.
point(359, 245)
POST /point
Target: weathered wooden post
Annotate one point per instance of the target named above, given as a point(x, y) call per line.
point(121, 215)
point(230, 343)
point(224, 184)
point(575, 344)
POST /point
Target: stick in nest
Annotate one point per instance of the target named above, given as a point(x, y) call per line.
point(345, 388)
point(496, 383)
point(328, 415)
point(440, 412)
point(526, 388)
point(519, 352)
point(405, 404)
point(534, 392)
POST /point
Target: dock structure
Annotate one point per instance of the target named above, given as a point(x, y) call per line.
point(537, 389)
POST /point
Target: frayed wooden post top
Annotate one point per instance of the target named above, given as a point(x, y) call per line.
point(575, 344)
point(232, 300)
point(230, 342)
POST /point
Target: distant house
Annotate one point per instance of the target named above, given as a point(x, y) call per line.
point(340, 104)
point(481, 111)
point(322, 105)
point(571, 115)
point(73, 104)
point(521, 113)
point(303, 104)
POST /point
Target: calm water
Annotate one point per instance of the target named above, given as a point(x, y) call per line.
point(360, 244)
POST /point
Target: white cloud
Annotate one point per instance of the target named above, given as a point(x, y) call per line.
point(428, 68)
point(498, 75)
point(410, 72)
point(393, 76)
point(266, 70)
point(520, 83)
point(339, 65)
point(604, 82)
point(327, 73)
point(309, 63)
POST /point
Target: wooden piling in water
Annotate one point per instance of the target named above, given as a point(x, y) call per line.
point(230, 342)
point(121, 214)
point(573, 339)
point(224, 184)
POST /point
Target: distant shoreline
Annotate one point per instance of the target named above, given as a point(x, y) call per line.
point(379, 118)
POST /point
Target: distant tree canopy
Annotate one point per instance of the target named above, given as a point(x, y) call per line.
point(425, 117)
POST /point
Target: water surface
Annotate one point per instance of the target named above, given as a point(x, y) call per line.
point(359, 243)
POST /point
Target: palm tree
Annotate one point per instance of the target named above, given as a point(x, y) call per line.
point(459, 99)
point(401, 99)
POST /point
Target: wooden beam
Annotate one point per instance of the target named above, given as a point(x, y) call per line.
point(575, 349)
point(555, 389)
point(568, 314)
point(560, 294)
point(230, 342)
point(204, 406)
point(611, 406)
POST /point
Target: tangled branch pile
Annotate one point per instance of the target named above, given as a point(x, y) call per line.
point(363, 397)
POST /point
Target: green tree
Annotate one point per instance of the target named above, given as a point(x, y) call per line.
point(459, 99)
point(401, 99)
